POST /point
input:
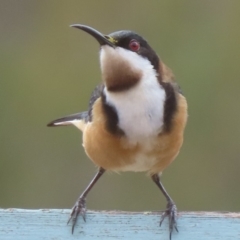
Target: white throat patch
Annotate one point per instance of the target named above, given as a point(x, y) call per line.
point(140, 109)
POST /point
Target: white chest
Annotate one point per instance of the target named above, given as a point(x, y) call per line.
point(140, 109)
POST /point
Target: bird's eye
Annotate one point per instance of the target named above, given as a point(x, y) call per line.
point(134, 45)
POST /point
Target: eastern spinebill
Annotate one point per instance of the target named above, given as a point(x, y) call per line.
point(136, 116)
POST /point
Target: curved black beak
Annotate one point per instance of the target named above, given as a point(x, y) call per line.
point(102, 39)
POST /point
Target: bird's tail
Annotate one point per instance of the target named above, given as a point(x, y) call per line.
point(78, 119)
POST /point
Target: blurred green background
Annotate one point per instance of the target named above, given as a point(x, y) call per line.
point(48, 70)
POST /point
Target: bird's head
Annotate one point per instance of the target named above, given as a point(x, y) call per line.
point(125, 58)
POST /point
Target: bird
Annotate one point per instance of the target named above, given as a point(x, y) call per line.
point(136, 115)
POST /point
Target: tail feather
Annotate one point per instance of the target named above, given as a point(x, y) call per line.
point(77, 119)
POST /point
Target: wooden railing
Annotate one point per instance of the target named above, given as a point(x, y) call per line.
point(23, 224)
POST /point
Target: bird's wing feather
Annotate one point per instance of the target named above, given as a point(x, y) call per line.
point(97, 93)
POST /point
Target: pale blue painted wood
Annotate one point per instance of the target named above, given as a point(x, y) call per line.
point(20, 224)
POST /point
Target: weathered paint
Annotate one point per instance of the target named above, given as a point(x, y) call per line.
point(21, 224)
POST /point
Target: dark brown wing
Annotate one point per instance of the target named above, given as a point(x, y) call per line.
point(97, 93)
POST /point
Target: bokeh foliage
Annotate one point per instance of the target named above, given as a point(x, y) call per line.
point(48, 70)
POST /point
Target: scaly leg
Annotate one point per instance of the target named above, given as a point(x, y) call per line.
point(171, 210)
point(80, 205)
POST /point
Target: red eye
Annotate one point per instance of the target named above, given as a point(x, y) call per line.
point(134, 45)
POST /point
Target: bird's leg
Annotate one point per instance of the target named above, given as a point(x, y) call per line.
point(80, 205)
point(171, 210)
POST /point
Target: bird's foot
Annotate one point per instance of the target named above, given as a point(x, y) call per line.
point(171, 212)
point(78, 209)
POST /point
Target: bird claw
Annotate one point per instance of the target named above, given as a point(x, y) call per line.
point(78, 209)
point(171, 212)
